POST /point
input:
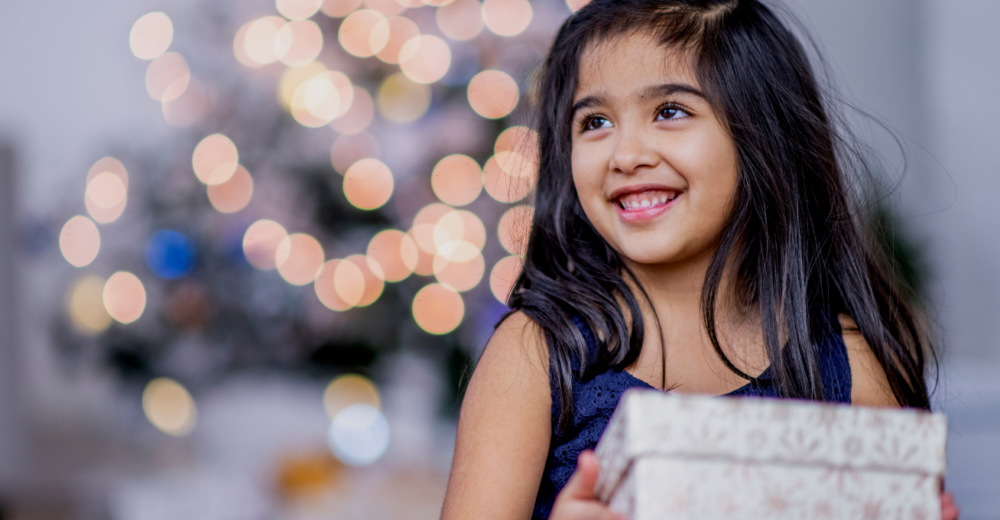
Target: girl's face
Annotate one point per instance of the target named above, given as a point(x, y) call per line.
point(653, 166)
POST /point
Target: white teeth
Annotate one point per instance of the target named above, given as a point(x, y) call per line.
point(646, 204)
point(663, 200)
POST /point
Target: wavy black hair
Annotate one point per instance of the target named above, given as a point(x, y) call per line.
point(794, 241)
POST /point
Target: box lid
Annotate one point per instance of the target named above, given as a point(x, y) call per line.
point(775, 431)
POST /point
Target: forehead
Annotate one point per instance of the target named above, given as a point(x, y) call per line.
point(631, 63)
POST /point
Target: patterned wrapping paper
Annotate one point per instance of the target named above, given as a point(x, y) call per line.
point(672, 456)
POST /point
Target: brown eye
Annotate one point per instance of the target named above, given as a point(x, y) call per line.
point(595, 123)
point(671, 112)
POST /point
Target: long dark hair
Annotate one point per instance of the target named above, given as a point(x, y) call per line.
point(794, 241)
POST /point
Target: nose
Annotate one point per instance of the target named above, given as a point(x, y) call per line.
point(632, 153)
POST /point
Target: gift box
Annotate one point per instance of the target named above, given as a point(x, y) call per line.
point(665, 456)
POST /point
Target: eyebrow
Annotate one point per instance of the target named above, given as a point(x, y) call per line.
point(664, 90)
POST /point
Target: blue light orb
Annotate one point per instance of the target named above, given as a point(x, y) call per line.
point(170, 254)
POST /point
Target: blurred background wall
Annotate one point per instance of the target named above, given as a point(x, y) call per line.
point(75, 443)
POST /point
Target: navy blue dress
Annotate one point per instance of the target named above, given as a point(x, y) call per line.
point(594, 401)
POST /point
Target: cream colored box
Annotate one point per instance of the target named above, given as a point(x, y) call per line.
point(672, 457)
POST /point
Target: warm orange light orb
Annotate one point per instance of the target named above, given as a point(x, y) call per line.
point(339, 8)
point(297, 9)
point(368, 184)
point(325, 287)
point(298, 258)
point(100, 214)
point(261, 36)
point(79, 241)
point(520, 139)
point(507, 17)
point(215, 159)
point(124, 297)
point(514, 229)
point(373, 278)
point(493, 94)
point(425, 58)
point(438, 309)
point(151, 35)
point(395, 253)
point(356, 30)
point(260, 243)
point(389, 36)
point(169, 407)
point(457, 180)
point(459, 265)
point(167, 77)
point(298, 42)
point(508, 176)
point(503, 276)
point(460, 20)
point(234, 194)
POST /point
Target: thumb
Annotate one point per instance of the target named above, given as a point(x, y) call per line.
point(581, 484)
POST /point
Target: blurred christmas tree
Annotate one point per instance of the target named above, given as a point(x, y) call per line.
point(304, 216)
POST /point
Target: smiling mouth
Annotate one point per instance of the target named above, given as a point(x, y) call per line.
point(645, 200)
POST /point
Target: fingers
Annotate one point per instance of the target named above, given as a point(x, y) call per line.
point(581, 484)
point(949, 510)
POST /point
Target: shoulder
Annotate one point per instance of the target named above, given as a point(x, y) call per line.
point(869, 385)
point(504, 427)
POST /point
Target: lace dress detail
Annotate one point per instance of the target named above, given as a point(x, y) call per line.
point(594, 401)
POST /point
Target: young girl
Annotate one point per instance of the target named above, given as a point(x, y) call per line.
point(693, 232)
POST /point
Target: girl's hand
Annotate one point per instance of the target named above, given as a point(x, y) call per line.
point(577, 501)
point(949, 511)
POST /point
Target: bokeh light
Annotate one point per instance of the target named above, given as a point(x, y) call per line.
point(359, 435)
point(293, 78)
point(460, 20)
point(298, 9)
point(493, 94)
point(79, 241)
point(520, 139)
point(234, 194)
point(425, 58)
point(356, 30)
point(151, 35)
point(106, 190)
point(368, 184)
point(576, 5)
point(298, 258)
point(386, 7)
point(358, 116)
point(508, 176)
point(215, 159)
point(349, 149)
point(240, 46)
point(514, 229)
point(260, 243)
point(317, 101)
point(507, 17)
point(457, 179)
point(85, 304)
point(473, 230)
point(395, 252)
point(169, 407)
point(459, 265)
point(438, 309)
point(259, 41)
point(349, 282)
point(389, 36)
point(124, 297)
point(339, 8)
point(401, 100)
point(100, 214)
point(372, 275)
point(298, 42)
point(350, 389)
point(170, 254)
point(424, 224)
point(167, 77)
point(189, 108)
point(503, 276)
point(326, 288)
